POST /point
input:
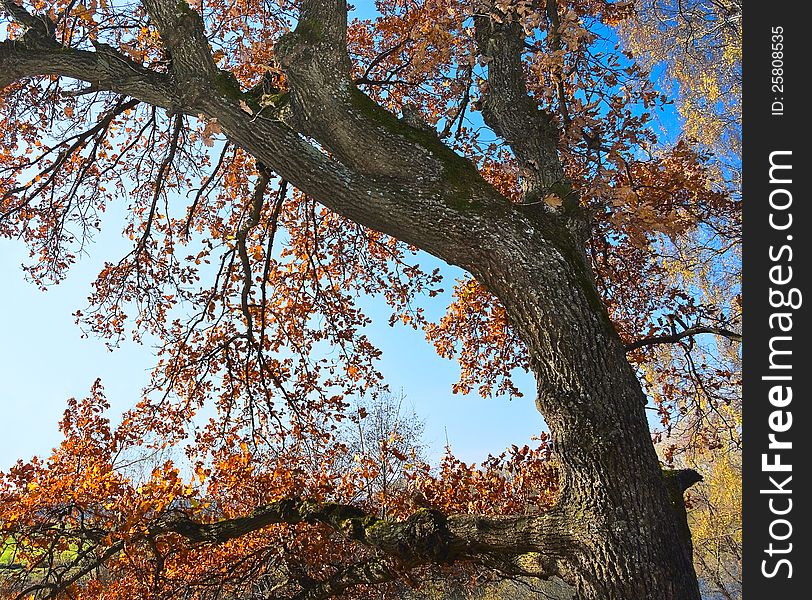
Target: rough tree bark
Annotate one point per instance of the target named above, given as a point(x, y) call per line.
point(617, 533)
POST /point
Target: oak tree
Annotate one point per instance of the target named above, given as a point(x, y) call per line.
point(279, 161)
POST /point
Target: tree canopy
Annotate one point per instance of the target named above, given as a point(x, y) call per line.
point(281, 161)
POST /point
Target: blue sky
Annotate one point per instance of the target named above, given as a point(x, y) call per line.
point(44, 360)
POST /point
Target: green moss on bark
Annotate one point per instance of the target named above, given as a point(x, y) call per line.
point(460, 176)
point(309, 30)
point(227, 84)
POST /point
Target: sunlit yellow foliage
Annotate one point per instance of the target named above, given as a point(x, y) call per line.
point(699, 44)
point(716, 524)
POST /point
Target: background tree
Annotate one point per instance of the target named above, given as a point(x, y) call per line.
point(384, 440)
point(270, 185)
point(697, 45)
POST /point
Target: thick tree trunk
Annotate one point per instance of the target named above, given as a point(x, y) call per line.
point(630, 539)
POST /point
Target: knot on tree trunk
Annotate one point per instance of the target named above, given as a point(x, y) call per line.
point(676, 483)
point(679, 480)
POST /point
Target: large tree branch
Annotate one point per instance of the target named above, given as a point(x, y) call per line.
point(512, 113)
point(379, 172)
point(184, 36)
point(330, 108)
point(41, 24)
point(450, 216)
point(104, 70)
point(426, 536)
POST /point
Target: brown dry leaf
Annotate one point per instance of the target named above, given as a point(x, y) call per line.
point(624, 196)
point(211, 129)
